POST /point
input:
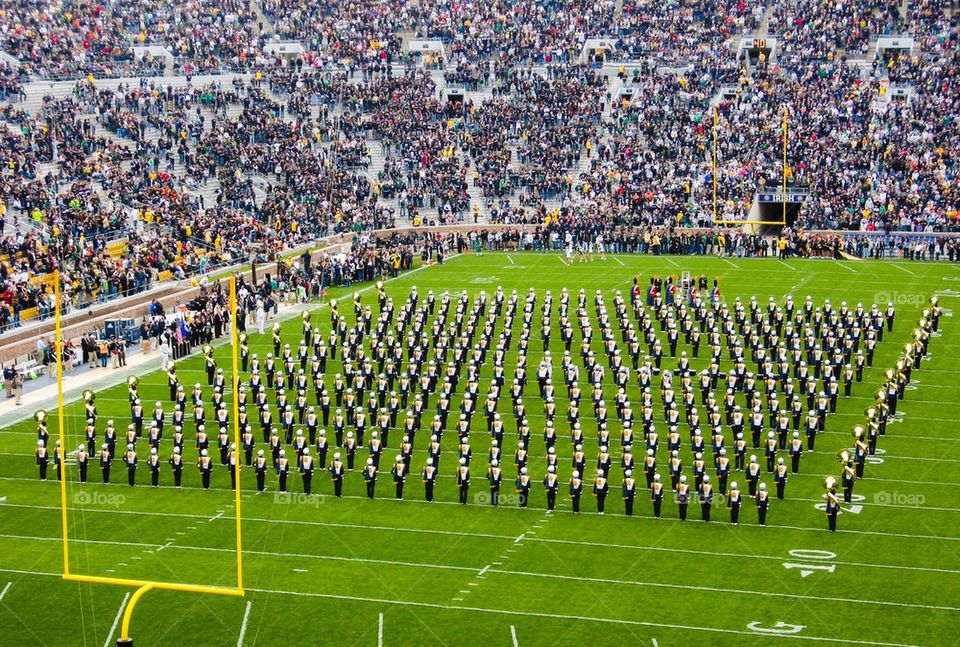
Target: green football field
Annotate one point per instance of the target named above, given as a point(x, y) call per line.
point(350, 571)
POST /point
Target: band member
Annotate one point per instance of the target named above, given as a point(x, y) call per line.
point(733, 503)
point(576, 490)
point(706, 498)
point(260, 468)
point(656, 495)
point(847, 479)
point(153, 462)
point(130, 460)
point(306, 470)
point(205, 465)
point(370, 477)
point(399, 473)
point(832, 509)
point(83, 461)
point(600, 489)
point(763, 502)
point(106, 457)
point(683, 497)
point(796, 451)
point(629, 488)
point(495, 477)
point(780, 477)
point(176, 465)
point(429, 477)
point(550, 482)
point(337, 470)
point(43, 460)
point(523, 487)
point(283, 470)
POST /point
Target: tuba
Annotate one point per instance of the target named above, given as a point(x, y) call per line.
point(857, 432)
point(89, 396)
point(171, 366)
point(133, 382)
point(843, 456)
point(207, 349)
point(40, 416)
point(830, 483)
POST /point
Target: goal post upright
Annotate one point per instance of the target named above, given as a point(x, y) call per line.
point(143, 586)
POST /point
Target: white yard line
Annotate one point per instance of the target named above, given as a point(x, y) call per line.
point(902, 269)
point(510, 258)
point(785, 264)
point(243, 625)
point(380, 630)
point(429, 605)
point(849, 269)
point(671, 261)
point(116, 620)
point(453, 533)
point(3, 593)
point(513, 636)
point(729, 262)
point(619, 261)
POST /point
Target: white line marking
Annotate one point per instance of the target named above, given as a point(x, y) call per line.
point(380, 630)
point(520, 538)
point(472, 584)
point(671, 261)
point(3, 593)
point(902, 269)
point(300, 570)
point(430, 605)
point(243, 625)
point(729, 262)
point(637, 623)
point(619, 261)
point(793, 269)
point(509, 258)
point(513, 636)
point(653, 641)
point(116, 620)
point(484, 570)
point(845, 267)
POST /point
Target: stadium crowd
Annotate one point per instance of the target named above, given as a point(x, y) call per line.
point(352, 135)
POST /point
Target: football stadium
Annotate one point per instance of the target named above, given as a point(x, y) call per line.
point(509, 323)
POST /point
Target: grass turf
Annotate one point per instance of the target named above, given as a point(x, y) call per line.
point(322, 570)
